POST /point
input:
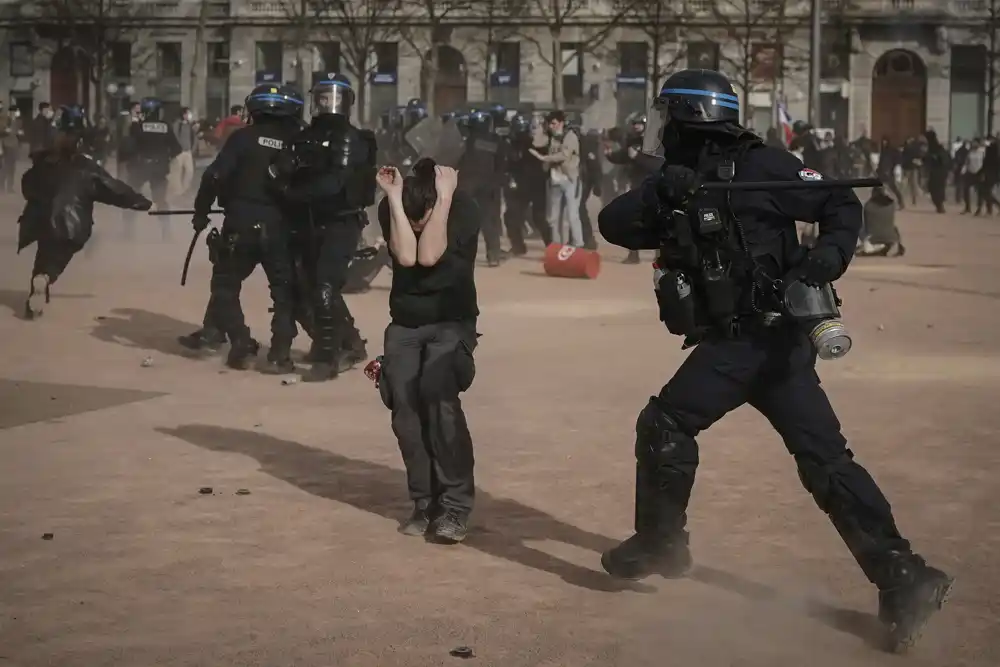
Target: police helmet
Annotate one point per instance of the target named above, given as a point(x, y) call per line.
point(274, 100)
point(499, 113)
point(801, 127)
point(72, 118)
point(481, 122)
point(696, 97)
point(150, 107)
point(520, 124)
point(415, 112)
point(332, 95)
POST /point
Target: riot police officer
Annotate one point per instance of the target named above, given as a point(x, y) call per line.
point(480, 167)
point(254, 230)
point(155, 147)
point(630, 157)
point(724, 277)
point(806, 141)
point(524, 193)
point(329, 169)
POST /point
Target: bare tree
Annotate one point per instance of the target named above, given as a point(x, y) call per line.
point(493, 19)
point(358, 26)
point(556, 16)
point(300, 16)
point(425, 26)
point(90, 29)
point(198, 59)
point(660, 20)
point(757, 33)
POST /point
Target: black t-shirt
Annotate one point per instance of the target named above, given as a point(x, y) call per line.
point(445, 292)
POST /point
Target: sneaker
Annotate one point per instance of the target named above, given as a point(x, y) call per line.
point(641, 556)
point(904, 607)
point(418, 522)
point(38, 297)
point(449, 528)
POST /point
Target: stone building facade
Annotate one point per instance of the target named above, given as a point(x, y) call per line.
point(890, 67)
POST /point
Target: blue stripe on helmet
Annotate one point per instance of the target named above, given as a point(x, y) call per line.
point(274, 97)
point(339, 84)
point(702, 93)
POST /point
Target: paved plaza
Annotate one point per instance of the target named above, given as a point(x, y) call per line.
point(109, 431)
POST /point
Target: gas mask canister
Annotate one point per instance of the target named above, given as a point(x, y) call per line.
point(816, 310)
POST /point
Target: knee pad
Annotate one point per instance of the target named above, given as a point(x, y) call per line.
point(325, 296)
point(660, 442)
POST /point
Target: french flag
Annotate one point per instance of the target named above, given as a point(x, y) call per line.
point(785, 121)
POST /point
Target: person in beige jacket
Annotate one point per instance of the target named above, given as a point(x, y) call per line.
point(563, 163)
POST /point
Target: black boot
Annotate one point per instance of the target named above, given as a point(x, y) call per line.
point(356, 351)
point(912, 593)
point(632, 257)
point(419, 520)
point(643, 555)
point(208, 338)
point(241, 352)
point(900, 250)
point(279, 360)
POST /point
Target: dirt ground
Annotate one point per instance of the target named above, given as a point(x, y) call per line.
point(107, 455)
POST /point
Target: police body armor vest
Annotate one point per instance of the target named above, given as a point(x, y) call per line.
point(703, 262)
point(355, 153)
point(250, 181)
point(478, 164)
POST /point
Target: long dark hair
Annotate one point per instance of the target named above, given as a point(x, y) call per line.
point(420, 190)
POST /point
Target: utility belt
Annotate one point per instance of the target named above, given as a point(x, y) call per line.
point(355, 215)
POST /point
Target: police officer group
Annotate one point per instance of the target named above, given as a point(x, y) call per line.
point(731, 278)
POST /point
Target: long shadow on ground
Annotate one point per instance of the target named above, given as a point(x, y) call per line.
point(144, 330)
point(511, 525)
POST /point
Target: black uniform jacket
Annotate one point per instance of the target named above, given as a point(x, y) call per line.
point(59, 195)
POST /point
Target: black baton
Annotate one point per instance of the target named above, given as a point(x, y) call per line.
point(182, 211)
point(187, 257)
point(793, 185)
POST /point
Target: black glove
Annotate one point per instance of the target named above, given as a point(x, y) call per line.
point(142, 204)
point(822, 265)
point(200, 222)
point(676, 183)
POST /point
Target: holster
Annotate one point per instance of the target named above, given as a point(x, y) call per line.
point(678, 312)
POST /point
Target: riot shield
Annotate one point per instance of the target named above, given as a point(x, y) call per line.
point(436, 139)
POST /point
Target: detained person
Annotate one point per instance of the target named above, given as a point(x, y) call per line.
point(433, 233)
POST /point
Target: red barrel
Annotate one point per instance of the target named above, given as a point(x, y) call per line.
point(564, 261)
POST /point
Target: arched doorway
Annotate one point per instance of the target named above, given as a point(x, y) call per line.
point(69, 78)
point(451, 91)
point(899, 97)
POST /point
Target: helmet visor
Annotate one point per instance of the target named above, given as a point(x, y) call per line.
point(656, 119)
point(332, 97)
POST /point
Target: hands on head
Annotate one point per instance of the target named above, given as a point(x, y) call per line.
point(391, 181)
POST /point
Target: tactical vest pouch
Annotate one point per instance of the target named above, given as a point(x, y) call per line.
point(720, 294)
point(676, 302)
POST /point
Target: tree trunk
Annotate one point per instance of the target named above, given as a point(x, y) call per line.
point(430, 63)
point(197, 67)
point(557, 69)
point(364, 113)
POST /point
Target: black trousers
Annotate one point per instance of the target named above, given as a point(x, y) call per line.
point(423, 372)
point(138, 174)
point(52, 257)
point(326, 256)
point(252, 236)
point(489, 200)
point(526, 204)
point(773, 371)
point(587, 226)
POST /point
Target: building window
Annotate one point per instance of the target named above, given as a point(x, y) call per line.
point(326, 57)
point(168, 60)
point(703, 55)
point(22, 61)
point(508, 57)
point(121, 60)
point(633, 58)
point(386, 57)
point(267, 57)
point(218, 60)
point(766, 62)
point(572, 72)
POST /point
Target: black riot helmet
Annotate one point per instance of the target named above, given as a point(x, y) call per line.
point(274, 100)
point(692, 98)
point(72, 118)
point(332, 95)
point(520, 124)
point(481, 122)
point(150, 108)
point(414, 112)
